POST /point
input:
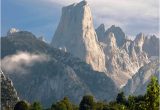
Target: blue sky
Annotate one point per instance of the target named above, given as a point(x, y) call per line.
point(42, 16)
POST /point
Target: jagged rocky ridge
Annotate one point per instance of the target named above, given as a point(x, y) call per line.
point(9, 95)
point(123, 61)
point(100, 31)
point(51, 80)
point(151, 46)
point(118, 32)
point(138, 83)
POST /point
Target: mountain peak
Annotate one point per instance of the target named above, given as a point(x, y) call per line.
point(111, 40)
point(139, 41)
point(42, 38)
point(140, 35)
point(139, 38)
point(101, 32)
point(101, 27)
point(151, 45)
point(75, 5)
point(113, 26)
point(77, 35)
point(83, 2)
point(25, 35)
point(12, 31)
point(119, 34)
point(153, 37)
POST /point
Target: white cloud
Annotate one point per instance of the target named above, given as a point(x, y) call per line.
point(121, 7)
point(18, 62)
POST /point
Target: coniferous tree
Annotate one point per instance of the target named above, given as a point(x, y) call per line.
point(21, 105)
point(64, 104)
point(153, 94)
point(87, 103)
point(121, 98)
point(36, 106)
point(131, 102)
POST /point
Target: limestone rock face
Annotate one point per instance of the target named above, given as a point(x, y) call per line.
point(123, 62)
point(148, 44)
point(76, 33)
point(138, 83)
point(119, 34)
point(111, 41)
point(151, 46)
point(101, 33)
point(139, 41)
point(9, 95)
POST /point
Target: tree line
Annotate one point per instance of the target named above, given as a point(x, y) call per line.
point(148, 101)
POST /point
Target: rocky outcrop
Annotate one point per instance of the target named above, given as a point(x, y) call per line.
point(119, 34)
point(12, 31)
point(42, 38)
point(139, 41)
point(117, 31)
point(138, 83)
point(151, 46)
point(123, 62)
point(77, 35)
point(8, 93)
point(101, 33)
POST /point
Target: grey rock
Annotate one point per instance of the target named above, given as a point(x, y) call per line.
point(119, 34)
point(76, 33)
point(138, 83)
point(101, 33)
point(62, 75)
point(9, 95)
point(151, 46)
